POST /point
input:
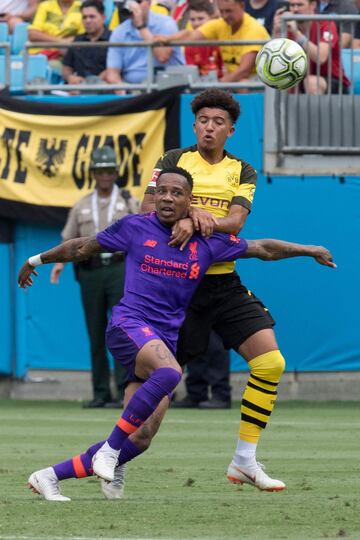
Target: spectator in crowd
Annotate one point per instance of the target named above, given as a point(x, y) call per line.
point(129, 64)
point(321, 42)
point(56, 21)
point(346, 30)
point(263, 11)
point(234, 24)
point(82, 63)
point(211, 370)
point(121, 13)
point(206, 58)
point(101, 277)
point(17, 11)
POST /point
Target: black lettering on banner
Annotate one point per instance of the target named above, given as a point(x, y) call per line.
point(7, 137)
point(125, 154)
point(139, 137)
point(79, 168)
point(20, 174)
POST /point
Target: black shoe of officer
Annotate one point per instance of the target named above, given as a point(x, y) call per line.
point(96, 403)
point(114, 404)
point(185, 403)
point(214, 403)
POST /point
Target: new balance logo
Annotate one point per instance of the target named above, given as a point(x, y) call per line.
point(150, 243)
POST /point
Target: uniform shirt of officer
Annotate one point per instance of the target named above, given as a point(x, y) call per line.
point(81, 221)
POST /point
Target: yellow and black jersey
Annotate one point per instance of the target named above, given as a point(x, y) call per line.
point(216, 187)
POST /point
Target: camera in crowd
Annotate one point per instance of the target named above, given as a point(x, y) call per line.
point(124, 9)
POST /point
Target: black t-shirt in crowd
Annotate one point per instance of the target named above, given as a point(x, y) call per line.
point(263, 15)
point(86, 61)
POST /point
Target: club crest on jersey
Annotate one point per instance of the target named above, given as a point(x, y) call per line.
point(328, 37)
point(193, 251)
point(232, 179)
point(147, 331)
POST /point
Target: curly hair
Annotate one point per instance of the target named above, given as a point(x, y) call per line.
point(217, 99)
point(181, 172)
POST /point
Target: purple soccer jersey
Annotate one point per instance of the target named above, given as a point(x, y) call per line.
point(161, 280)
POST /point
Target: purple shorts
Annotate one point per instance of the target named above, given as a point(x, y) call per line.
point(125, 339)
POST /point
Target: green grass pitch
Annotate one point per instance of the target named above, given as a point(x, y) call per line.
point(178, 489)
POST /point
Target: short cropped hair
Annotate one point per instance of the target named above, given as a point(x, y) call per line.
point(97, 4)
point(181, 172)
point(202, 5)
point(217, 99)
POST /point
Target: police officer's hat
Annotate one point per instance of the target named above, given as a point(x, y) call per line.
point(103, 158)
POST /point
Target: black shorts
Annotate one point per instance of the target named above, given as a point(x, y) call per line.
point(222, 303)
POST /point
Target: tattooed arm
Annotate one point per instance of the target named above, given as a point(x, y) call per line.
point(273, 250)
point(74, 250)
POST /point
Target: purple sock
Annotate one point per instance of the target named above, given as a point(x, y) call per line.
point(129, 451)
point(78, 466)
point(143, 403)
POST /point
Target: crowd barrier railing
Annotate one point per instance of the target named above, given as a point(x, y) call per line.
point(149, 84)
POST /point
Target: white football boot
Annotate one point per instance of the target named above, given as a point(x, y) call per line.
point(105, 461)
point(260, 479)
point(46, 483)
point(115, 489)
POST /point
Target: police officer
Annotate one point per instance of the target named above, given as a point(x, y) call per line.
point(101, 277)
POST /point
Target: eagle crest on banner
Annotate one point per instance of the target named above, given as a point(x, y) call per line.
point(50, 157)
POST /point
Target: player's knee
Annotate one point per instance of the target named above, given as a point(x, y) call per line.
point(269, 366)
point(276, 365)
point(167, 378)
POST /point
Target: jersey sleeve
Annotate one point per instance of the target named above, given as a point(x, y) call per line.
point(227, 247)
point(118, 236)
point(244, 194)
point(169, 159)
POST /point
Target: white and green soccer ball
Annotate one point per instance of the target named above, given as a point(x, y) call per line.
point(281, 63)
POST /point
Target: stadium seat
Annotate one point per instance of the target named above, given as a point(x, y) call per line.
point(109, 8)
point(37, 68)
point(177, 76)
point(4, 35)
point(348, 57)
point(19, 37)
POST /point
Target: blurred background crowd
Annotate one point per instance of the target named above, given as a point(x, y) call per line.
point(98, 23)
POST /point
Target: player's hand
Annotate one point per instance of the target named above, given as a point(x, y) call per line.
point(55, 273)
point(24, 277)
point(203, 221)
point(182, 231)
point(323, 256)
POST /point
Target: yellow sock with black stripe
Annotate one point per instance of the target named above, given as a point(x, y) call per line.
point(260, 394)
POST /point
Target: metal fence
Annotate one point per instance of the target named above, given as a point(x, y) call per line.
point(323, 128)
point(146, 86)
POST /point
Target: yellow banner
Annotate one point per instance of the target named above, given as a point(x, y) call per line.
point(44, 158)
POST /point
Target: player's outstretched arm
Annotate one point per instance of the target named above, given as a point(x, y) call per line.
point(273, 250)
point(75, 250)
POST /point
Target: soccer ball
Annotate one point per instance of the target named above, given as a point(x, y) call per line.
point(281, 63)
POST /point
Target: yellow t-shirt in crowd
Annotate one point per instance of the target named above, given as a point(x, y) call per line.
point(232, 54)
point(50, 19)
